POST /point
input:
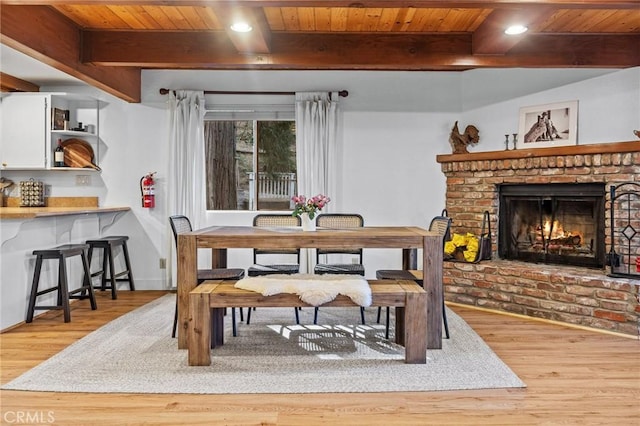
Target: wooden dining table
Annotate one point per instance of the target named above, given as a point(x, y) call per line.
point(221, 238)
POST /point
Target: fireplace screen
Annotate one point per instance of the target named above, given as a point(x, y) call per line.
point(552, 223)
point(624, 218)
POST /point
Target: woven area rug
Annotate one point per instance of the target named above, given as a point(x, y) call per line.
point(135, 354)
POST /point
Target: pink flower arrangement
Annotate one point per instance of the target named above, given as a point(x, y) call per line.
point(309, 205)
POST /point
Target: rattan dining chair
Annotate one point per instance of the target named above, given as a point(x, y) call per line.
point(275, 220)
point(440, 224)
point(181, 224)
point(339, 221)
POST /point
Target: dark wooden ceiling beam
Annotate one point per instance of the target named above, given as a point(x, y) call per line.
point(213, 50)
point(44, 34)
point(9, 83)
point(489, 38)
point(588, 51)
point(591, 4)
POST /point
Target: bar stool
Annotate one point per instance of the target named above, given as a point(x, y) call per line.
point(108, 273)
point(61, 253)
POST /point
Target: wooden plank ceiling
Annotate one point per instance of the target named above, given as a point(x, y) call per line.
point(107, 43)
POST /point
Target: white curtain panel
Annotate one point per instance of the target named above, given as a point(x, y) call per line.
point(186, 180)
point(316, 150)
point(316, 143)
point(186, 160)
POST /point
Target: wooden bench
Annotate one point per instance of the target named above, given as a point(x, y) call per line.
point(208, 301)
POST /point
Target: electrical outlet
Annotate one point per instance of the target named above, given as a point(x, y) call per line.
point(83, 180)
point(163, 263)
point(47, 190)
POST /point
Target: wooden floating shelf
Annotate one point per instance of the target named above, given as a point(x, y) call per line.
point(600, 148)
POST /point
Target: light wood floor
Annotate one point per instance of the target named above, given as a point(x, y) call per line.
point(574, 377)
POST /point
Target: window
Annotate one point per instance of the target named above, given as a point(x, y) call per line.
point(251, 164)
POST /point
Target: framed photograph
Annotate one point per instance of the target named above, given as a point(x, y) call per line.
point(59, 118)
point(543, 126)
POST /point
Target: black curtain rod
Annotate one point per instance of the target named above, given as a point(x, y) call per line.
point(341, 93)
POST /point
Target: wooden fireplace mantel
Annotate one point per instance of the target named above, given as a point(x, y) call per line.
point(600, 148)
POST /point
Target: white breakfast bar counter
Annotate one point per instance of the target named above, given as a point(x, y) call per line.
point(24, 229)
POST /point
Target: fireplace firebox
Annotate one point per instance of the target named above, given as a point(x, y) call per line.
point(552, 223)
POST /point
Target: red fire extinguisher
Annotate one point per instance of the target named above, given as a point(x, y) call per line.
point(147, 188)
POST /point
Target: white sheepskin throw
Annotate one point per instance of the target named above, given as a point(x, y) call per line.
point(312, 289)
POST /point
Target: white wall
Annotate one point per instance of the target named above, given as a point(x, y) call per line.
point(389, 169)
point(608, 110)
point(389, 172)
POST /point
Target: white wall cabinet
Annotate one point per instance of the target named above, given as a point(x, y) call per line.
point(28, 134)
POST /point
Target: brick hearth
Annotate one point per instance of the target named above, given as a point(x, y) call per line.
point(582, 296)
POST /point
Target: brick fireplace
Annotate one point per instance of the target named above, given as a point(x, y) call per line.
point(583, 296)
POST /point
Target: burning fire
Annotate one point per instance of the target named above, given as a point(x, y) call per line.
point(556, 234)
point(558, 231)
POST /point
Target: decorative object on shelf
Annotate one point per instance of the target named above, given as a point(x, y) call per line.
point(78, 153)
point(459, 142)
point(515, 140)
point(80, 128)
point(31, 193)
point(307, 208)
point(59, 119)
point(637, 133)
point(506, 142)
point(549, 125)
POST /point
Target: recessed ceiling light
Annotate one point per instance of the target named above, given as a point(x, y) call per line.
point(241, 27)
point(515, 29)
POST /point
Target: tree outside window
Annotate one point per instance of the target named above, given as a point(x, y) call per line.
point(251, 164)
